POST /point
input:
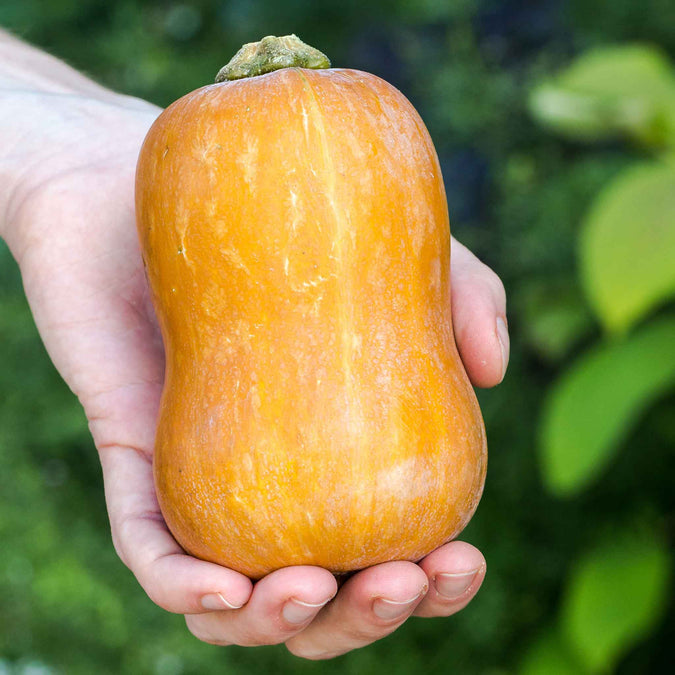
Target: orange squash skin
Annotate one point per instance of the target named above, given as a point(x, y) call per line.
point(315, 411)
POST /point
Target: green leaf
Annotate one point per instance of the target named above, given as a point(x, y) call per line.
point(614, 597)
point(611, 91)
point(549, 655)
point(595, 403)
point(627, 245)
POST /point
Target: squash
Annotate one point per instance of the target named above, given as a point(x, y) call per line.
point(295, 233)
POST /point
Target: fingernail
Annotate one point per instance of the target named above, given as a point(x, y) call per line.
point(297, 611)
point(216, 602)
point(453, 586)
point(387, 609)
point(503, 337)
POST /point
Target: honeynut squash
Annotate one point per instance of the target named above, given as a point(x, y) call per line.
point(294, 227)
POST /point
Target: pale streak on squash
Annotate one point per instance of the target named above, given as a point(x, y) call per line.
point(315, 408)
point(342, 231)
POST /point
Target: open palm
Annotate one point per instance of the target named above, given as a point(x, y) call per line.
point(74, 236)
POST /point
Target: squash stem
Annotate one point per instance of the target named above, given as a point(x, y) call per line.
point(272, 53)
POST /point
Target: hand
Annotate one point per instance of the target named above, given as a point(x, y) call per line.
point(70, 224)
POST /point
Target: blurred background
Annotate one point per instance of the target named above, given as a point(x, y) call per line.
point(554, 121)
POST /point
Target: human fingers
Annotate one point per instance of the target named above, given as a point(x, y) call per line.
point(173, 580)
point(455, 572)
point(369, 606)
point(479, 317)
point(282, 604)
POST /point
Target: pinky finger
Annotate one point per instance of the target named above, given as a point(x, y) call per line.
point(479, 317)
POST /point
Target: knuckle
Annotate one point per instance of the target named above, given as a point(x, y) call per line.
point(174, 599)
point(206, 628)
point(251, 638)
point(448, 608)
point(156, 595)
point(119, 549)
point(255, 638)
point(120, 538)
point(483, 281)
point(154, 587)
point(212, 640)
point(200, 631)
point(305, 650)
point(364, 634)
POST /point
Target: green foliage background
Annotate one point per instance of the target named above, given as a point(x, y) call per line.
point(579, 555)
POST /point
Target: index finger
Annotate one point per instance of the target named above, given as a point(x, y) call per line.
point(479, 317)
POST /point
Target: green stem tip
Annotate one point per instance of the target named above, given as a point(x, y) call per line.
point(272, 53)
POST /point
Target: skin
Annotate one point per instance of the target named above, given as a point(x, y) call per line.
point(67, 159)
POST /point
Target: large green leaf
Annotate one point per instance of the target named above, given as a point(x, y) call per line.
point(627, 246)
point(609, 91)
point(614, 597)
point(594, 404)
